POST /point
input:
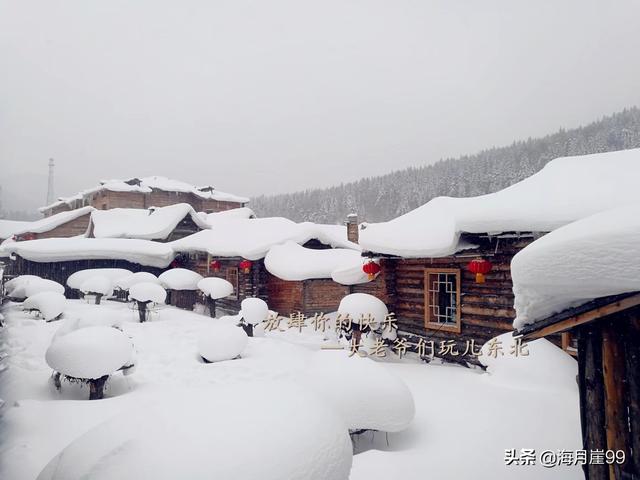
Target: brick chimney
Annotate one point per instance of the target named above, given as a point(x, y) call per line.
point(352, 227)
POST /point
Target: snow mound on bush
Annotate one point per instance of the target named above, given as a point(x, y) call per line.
point(180, 279)
point(16, 287)
point(365, 393)
point(215, 287)
point(43, 285)
point(545, 365)
point(203, 434)
point(97, 318)
point(49, 304)
point(125, 283)
point(147, 292)
point(98, 284)
point(76, 279)
point(222, 341)
point(89, 352)
point(254, 310)
point(357, 305)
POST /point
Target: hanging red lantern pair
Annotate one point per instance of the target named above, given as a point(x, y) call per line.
point(245, 266)
point(371, 268)
point(214, 266)
point(480, 267)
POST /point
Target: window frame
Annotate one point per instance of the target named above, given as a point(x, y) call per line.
point(429, 324)
point(236, 294)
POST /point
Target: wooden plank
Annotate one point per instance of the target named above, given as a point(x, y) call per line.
point(590, 380)
point(632, 359)
point(613, 366)
point(588, 316)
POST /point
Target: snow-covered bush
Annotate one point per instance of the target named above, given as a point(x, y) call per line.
point(49, 304)
point(76, 279)
point(537, 363)
point(90, 355)
point(97, 286)
point(125, 283)
point(222, 341)
point(292, 435)
point(361, 306)
point(253, 311)
point(214, 288)
point(145, 293)
point(16, 287)
point(180, 279)
point(367, 395)
point(43, 285)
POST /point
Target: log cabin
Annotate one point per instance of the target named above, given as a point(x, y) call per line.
point(163, 224)
point(607, 331)
point(63, 224)
point(57, 258)
point(287, 264)
point(448, 263)
point(147, 192)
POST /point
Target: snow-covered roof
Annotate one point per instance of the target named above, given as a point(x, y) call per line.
point(151, 224)
point(49, 223)
point(291, 261)
point(565, 190)
point(8, 228)
point(146, 185)
point(594, 257)
point(143, 252)
point(234, 213)
point(253, 238)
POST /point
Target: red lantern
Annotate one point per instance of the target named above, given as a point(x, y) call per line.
point(214, 265)
point(245, 265)
point(480, 267)
point(371, 268)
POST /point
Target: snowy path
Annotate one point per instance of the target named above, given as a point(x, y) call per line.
point(464, 418)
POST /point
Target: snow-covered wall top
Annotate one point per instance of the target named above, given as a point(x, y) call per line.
point(565, 190)
point(253, 238)
point(593, 257)
point(49, 223)
point(152, 224)
point(143, 252)
point(291, 261)
point(146, 185)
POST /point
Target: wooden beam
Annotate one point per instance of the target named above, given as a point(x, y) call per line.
point(583, 318)
point(613, 366)
point(591, 397)
point(632, 358)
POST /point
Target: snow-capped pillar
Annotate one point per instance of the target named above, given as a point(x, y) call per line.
point(352, 227)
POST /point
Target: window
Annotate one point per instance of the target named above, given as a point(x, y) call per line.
point(442, 299)
point(232, 278)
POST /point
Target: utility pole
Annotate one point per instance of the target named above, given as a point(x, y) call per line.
point(50, 193)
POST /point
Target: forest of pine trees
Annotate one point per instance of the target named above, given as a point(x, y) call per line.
point(384, 197)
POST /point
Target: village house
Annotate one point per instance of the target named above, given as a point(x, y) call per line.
point(447, 263)
point(64, 224)
point(147, 192)
point(583, 281)
point(287, 264)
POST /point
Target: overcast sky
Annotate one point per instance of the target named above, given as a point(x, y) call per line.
point(273, 96)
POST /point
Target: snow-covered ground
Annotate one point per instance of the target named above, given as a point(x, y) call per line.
point(464, 418)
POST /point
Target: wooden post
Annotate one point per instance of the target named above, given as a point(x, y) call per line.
point(632, 358)
point(613, 365)
point(211, 302)
point(96, 387)
point(591, 397)
point(142, 311)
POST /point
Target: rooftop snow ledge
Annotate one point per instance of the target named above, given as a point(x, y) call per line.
point(565, 190)
point(594, 257)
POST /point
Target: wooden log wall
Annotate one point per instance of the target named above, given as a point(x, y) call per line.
point(72, 228)
point(609, 381)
